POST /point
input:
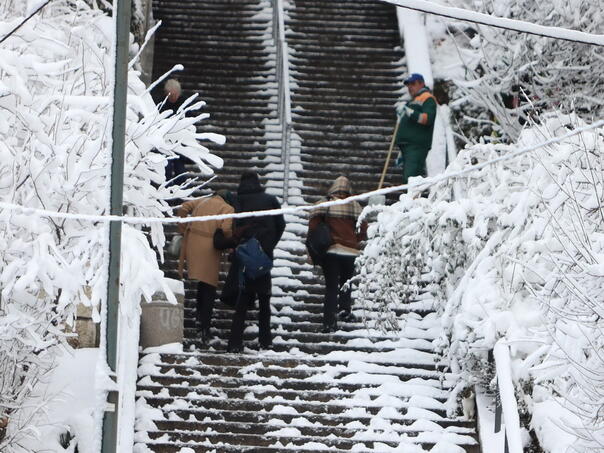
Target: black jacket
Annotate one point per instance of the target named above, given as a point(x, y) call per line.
point(267, 229)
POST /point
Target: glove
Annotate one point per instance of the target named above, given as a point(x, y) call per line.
point(407, 111)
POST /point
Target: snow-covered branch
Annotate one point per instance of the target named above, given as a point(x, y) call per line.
point(519, 258)
point(54, 111)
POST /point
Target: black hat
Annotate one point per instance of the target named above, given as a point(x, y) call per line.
point(250, 176)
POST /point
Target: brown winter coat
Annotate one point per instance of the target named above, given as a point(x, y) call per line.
point(203, 260)
point(341, 219)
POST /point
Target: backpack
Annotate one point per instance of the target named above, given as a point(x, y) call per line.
point(318, 242)
point(253, 261)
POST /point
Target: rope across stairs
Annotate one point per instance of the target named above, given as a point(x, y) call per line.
point(358, 389)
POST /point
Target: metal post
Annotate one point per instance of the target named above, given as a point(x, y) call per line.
point(121, 10)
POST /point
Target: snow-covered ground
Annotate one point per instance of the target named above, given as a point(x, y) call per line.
point(62, 406)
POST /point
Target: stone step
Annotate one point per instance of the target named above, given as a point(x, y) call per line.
point(294, 438)
point(301, 407)
point(307, 16)
point(339, 40)
point(156, 383)
point(261, 444)
point(342, 9)
point(349, 86)
point(386, 106)
point(316, 339)
point(311, 49)
point(300, 432)
point(339, 119)
point(269, 392)
point(345, 78)
point(234, 12)
point(314, 419)
point(221, 426)
point(235, 48)
point(201, 4)
point(308, 92)
point(351, 70)
point(396, 365)
point(311, 313)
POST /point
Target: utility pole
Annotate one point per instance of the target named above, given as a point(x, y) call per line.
point(121, 11)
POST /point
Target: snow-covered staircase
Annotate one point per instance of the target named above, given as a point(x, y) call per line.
point(357, 389)
point(347, 71)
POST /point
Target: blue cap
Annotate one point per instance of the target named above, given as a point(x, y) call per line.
point(414, 78)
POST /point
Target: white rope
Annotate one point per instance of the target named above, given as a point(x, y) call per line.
point(420, 184)
point(500, 22)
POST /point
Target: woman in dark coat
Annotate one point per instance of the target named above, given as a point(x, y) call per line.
point(268, 230)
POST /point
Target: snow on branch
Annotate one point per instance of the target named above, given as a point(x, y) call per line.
point(519, 258)
point(506, 79)
point(505, 23)
point(54, 111)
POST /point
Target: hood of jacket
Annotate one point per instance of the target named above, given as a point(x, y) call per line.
point(340, 185)
point(250, 183)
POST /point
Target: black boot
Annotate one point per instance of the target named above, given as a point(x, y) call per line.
point(205, 335)
point(329, 328)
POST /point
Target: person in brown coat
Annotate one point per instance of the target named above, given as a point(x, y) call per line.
point(338, 264)
point(202, 258)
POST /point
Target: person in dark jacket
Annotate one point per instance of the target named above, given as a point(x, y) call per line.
point(414, 136)
point(172, 100)
point(268, 231)
point(338, 264)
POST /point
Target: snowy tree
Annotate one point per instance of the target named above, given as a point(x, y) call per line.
point(55, 96)
point(515, 76)
point(517, 255)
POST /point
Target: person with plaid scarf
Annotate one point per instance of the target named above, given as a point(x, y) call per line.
point(338, 265)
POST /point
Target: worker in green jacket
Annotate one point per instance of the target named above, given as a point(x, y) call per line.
point(414, 135)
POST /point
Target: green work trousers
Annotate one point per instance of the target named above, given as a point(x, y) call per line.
point(414, 160)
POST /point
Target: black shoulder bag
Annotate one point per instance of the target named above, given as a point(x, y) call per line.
point(318, 242)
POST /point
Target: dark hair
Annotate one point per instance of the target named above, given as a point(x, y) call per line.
point(249, 175)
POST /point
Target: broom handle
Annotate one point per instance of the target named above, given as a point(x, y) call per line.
point(398, 122)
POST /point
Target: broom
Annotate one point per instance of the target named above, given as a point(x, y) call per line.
point(381, 199)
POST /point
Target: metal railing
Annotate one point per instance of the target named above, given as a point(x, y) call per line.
point(506, 408)
point(284, 110)
point(450, 151)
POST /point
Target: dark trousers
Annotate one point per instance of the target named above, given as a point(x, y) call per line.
point(247, 297)
point(205, 304)
point(337, 269)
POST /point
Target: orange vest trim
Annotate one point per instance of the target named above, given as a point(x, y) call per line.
point(424, 97)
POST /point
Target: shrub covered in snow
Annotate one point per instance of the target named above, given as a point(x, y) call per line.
point(55, 115)
point(514, 76)
point(518, 255)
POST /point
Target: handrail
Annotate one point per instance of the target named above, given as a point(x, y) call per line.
point(450, 147)
point(284, 110)
point(506, 407)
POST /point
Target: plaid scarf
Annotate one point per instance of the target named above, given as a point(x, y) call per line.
point(340, 189)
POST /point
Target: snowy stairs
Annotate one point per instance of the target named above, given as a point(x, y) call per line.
point(347, 67)
point(354, 390)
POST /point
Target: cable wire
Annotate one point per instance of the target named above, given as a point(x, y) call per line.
point(499, 22)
